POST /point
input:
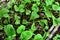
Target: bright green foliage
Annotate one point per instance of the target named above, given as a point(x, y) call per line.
point(55, 7)
point(9, 30)
point(28, 12)
point(16, 8)
point(5, 22)
point(21, 8)
point(6, 16)
point(17, 22)
point(3, 11)
point(1, 27)
point(35, 8)
point(47, 12)
point(57, 37)
point(33, 27)
point(49, 2)
point(38, 37)
point(58, 19)
point(12, 1)
point(34, 15)
point(27, 1)
point(46, 34)
point(26, 35)
point(8, 38)
point(55, 21)
point(24, 21)
point(20, 29)
point(42, 22)
point(16, 17)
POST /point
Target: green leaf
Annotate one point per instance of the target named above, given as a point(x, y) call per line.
point(57, 3)
point(3, 11)
point(7, 38)
point(1, 27)
point(48, 13)
point(28, 12)
point(16, 17)
point(58, 19)
point(27, 1)
point(26, 35)
point(38, 37)
point(38, 3)
point(55, 7)
point(34, 15)
point(5, 21)
point(57, 37)
point(16, 8)
point(46, 34)
point(9, 30)
point(55, 21)
point(49, 2)
point(21, 8)
point(17, 22)
point(33, 27)
point(42, 22)
point(12, 1)
point(46, 27)
point(35, 8)
point(6, 15)
point(20, 29)
point(24, 21)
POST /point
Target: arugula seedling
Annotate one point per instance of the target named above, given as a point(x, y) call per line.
point(5, 21)
point(26, 35)
point(42, 22)
point(28, 12)
point(12, 1)
point(33, 27)
point(34, 15)
point(24, 21)
point(27, 1)
point(8, 38)
point(17, 22)
point(56, 7)
point(48, 3)
point(9, 30)
point(16, 17)
point(57, 37)
point(35, 8)
point(16, 8)
point(3, 11)
point(21, 8)
point(38, 37)
point(20, 29)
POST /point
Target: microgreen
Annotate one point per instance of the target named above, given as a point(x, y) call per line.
point(33, 27)
point(26, 35)
point(28, 19)
point(38, 37)
point(9, 30)
point(48, 3)
point(20, 29)
point(3, 11)
point(34, 15)
point(57, 37)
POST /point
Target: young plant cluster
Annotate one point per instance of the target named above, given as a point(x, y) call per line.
point(29, 19)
